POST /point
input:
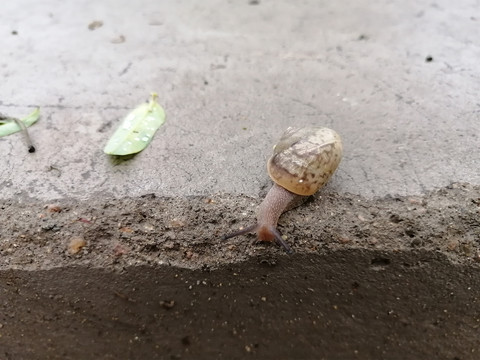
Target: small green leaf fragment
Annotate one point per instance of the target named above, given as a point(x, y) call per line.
point(137, 129)
point(8, 126)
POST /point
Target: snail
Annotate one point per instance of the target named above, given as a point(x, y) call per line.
point(303, 160)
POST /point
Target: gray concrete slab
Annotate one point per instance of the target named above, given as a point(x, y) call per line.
point(387, 261)
point(231, 77)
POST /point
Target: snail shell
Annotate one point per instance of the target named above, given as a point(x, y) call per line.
point(304, 159)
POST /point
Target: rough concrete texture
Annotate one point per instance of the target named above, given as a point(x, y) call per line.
point(232, 76)
point(121, 258)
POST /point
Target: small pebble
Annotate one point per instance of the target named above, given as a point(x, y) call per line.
point(176, 223)
point(169, 245)
point(167, 304)
point(149, 227)
point(76, 244)
point(415, 200)
point(120, 250)
point(53, 208)
point(342, 239)
point(452, 245)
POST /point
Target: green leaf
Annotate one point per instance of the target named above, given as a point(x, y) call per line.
point(137, 129)
point(9, 126)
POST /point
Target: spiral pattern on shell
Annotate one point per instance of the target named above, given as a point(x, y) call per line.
point(304, 159)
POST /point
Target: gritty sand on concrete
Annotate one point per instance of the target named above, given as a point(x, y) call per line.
point(186, 232)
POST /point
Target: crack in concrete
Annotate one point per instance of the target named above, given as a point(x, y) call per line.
point(68, 107)
point(125, 69)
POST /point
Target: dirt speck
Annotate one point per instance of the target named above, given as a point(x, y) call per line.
point(186, 340)
point(95, 25)
point(119, 39)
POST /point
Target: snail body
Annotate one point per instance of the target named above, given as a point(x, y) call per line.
point(303, 161)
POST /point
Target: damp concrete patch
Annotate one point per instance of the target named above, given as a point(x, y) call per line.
point(343, 304)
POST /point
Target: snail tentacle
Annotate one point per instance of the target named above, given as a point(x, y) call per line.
point(279, 240)
point(249, 229)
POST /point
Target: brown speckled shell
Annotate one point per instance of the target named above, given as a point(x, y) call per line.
point(305, 158)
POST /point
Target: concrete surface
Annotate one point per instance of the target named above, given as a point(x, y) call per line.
point(222, 66)
point(387, 262)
